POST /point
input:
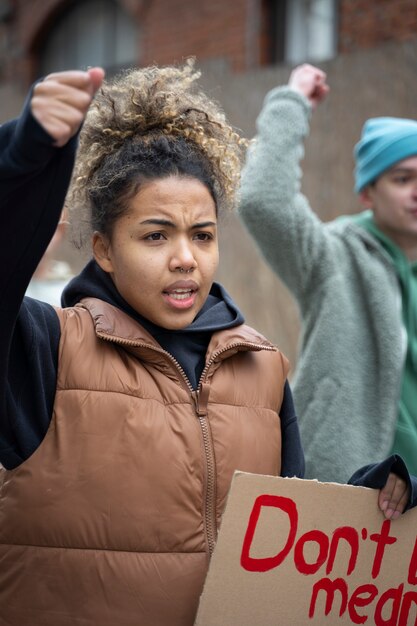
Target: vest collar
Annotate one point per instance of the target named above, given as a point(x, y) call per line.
point(112, 324)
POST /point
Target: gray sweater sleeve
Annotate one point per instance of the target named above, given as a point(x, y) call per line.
point(290, 236)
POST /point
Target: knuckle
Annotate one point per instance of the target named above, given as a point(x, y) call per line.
point(85, 98)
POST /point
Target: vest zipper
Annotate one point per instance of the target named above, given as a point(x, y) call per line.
point(200, 399)
point(202, 395)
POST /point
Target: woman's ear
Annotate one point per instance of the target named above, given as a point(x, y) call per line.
point(101, 251)
point(365, 196)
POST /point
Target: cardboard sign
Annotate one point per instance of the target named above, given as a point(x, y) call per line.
point(294, 552)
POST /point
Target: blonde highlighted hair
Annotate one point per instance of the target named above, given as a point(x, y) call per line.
point(146, 124)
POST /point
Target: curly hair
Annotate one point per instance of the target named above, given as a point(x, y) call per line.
point(147, 124)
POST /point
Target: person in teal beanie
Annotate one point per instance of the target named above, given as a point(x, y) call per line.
point(386, 180)
point(355, 280)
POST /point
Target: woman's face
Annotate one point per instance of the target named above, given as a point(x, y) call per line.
point(163, 252)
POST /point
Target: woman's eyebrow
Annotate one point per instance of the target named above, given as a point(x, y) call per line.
point(158, 222)
point(163, 222)
point(204, 224)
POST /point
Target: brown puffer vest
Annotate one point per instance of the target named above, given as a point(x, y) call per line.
point(112, 521)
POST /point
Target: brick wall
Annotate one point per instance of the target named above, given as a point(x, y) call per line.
point(170, 31)
point(213, 28)
point(368, 23)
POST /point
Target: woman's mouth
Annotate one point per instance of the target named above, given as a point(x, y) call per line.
point(180, 296)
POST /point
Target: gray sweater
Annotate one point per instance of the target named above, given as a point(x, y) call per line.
point(348, 378)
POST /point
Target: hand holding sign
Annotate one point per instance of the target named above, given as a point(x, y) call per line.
point(393, 497)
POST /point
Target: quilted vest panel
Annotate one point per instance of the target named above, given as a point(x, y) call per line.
point(113, 519)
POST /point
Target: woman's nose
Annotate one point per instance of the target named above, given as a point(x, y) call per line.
point(183, 258)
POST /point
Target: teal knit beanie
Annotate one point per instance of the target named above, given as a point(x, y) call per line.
point(384, 142)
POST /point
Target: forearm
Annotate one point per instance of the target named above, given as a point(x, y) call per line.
point(34, 177)
point(278, 216)
point(275, 155)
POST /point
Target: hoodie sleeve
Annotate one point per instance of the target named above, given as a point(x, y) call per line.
point(375, 476)
point(34, 176)
point(290, 236)
point(292, 455)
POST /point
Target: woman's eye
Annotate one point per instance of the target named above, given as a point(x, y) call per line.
point(204, 236)
point(154, 237)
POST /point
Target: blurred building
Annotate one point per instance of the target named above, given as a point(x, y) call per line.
point(39, 36)
point(244, 47)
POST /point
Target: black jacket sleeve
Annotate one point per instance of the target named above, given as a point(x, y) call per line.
point(292, 455)
point(375, 476)
point(34, 177)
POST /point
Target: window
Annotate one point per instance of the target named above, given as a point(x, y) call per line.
point(90, 32)
point(295, 31)
point(310, 30)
